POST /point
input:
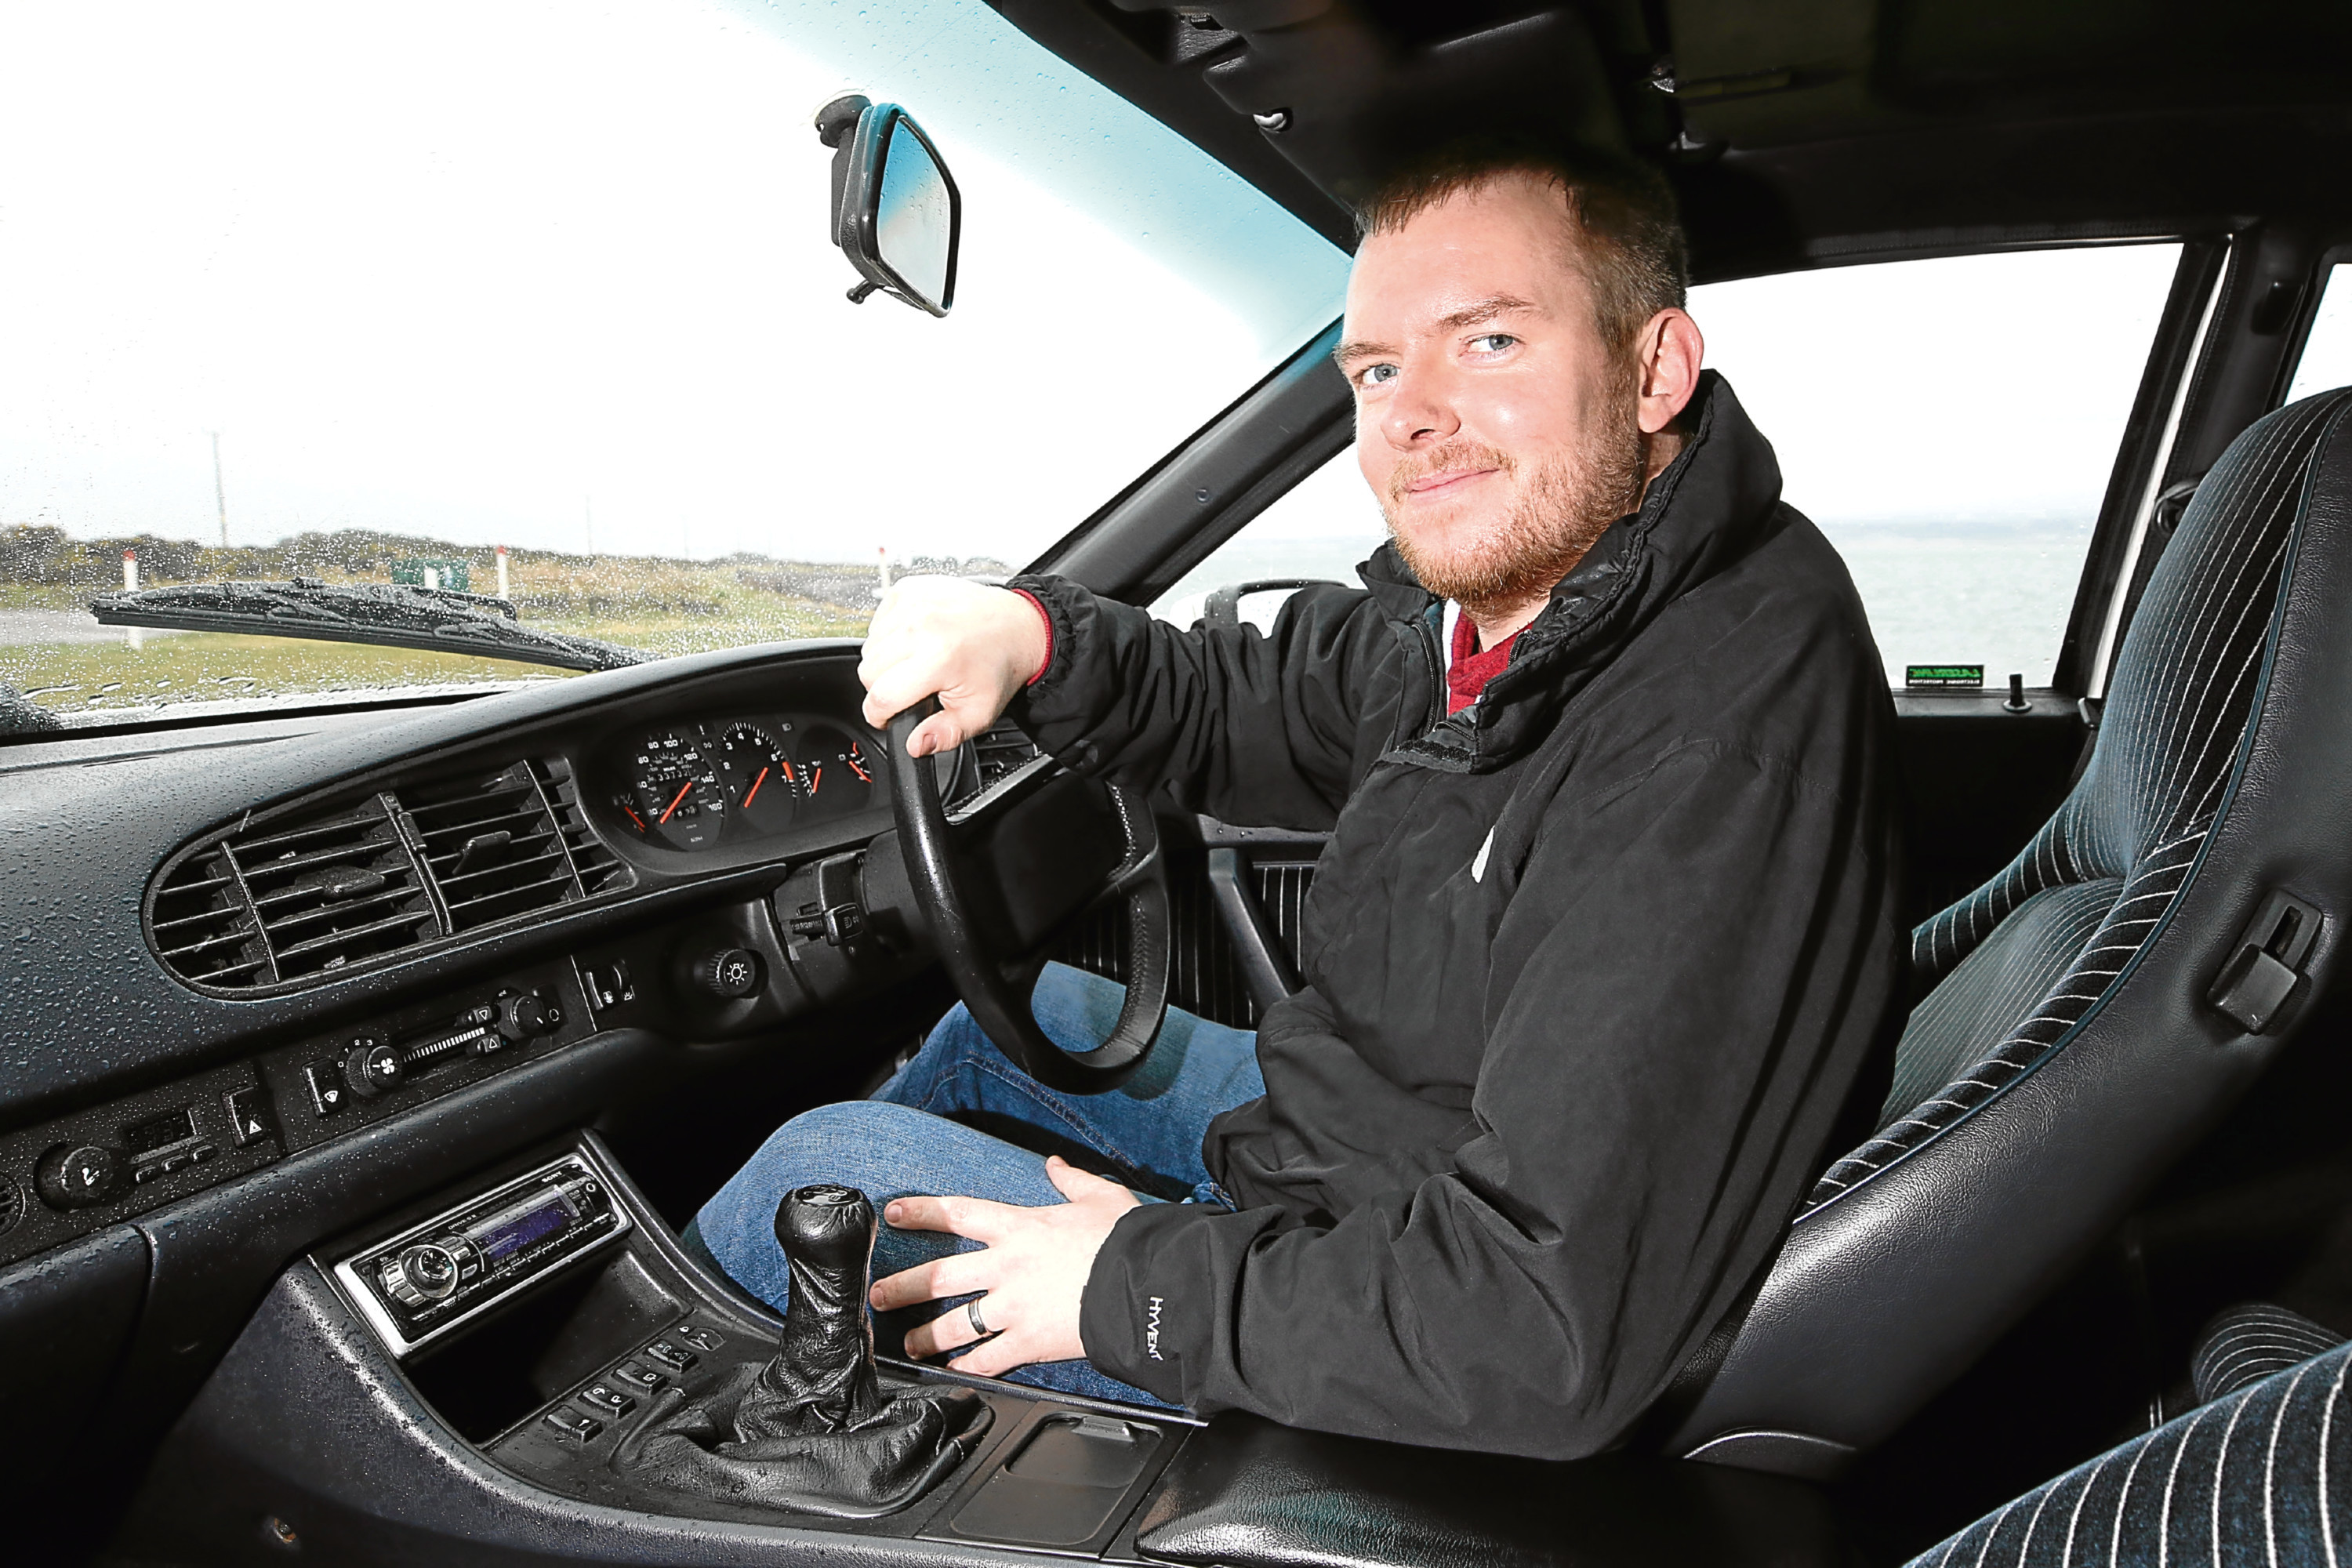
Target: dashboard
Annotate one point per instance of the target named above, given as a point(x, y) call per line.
point(737, 779)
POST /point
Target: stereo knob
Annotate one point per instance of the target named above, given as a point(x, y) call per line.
point(76, 1175)
point(424, 1273)
point(524, 1016)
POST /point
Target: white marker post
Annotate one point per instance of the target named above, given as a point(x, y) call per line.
point(130, 635)
point(503, 571)
point(432, 577)
point(882, 565)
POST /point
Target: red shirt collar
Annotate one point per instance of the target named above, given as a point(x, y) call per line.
point(1472, 666)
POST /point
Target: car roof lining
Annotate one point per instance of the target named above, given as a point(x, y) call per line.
point(1795, 133)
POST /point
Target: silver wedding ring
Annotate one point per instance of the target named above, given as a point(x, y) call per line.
point(972, 1311)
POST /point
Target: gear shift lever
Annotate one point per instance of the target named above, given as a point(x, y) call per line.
point(814, 1431)
point(824, 1369)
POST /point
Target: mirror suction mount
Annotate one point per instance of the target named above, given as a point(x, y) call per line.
point(897, 213)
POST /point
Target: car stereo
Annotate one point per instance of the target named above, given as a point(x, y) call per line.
point(430, 1278)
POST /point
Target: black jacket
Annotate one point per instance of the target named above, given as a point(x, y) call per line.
point(1591, 967)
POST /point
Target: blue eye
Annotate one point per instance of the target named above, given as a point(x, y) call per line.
point(1376, 374)
point(1494, 343)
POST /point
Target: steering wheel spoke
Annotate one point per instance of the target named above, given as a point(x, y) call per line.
point(1057, 844)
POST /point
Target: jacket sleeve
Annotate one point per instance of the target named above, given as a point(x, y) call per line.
point(1257, 730)
point(1676, 979)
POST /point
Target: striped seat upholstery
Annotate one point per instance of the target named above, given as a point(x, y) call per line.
point(2247, 1344)
point(2024, 959)
point(2261, 1476)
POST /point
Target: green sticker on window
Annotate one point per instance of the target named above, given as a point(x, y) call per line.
point(1934, 675)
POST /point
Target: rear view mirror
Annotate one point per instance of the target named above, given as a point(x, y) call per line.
point(896, 214)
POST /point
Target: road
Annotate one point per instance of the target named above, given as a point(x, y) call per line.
point(20, 626)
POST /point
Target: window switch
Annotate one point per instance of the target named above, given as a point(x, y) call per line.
point(675, 1357)
point(700, 1337)
point(644, 1379)
point(327, 1094)
point(248, 1119)
point(575, 1424)
point(603, 1396)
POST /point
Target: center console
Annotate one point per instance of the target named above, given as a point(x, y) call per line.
point(466, 1381)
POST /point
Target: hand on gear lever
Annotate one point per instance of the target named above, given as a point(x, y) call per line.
point(814, 1431)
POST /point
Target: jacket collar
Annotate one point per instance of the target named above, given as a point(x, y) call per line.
point(1713, 504)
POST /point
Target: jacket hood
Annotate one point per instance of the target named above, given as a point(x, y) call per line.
point(1715, 502)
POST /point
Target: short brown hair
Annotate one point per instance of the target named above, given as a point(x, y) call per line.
point(1622, 219)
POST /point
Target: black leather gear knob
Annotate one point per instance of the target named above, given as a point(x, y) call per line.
point(827, 1225)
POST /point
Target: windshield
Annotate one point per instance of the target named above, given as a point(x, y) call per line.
point(365, 294)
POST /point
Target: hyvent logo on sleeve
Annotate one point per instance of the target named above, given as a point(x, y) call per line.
point(1151, 1332)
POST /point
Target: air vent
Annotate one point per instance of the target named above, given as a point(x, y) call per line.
point(998, 751)
point(599, 869)
point(292, 901)
point(301, 898)
point(493, 846)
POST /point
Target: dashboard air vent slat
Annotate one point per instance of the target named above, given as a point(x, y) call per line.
point(329, 893)
point(493, 846)
point(295, 900)
point(599, 869)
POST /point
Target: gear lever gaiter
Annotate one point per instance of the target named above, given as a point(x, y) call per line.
point(813, 1431)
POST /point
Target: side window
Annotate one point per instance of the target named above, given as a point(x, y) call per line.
point(2326, 362)
point(1325, 524)
point(1950, 424)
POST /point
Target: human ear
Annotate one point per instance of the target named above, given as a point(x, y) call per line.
point(1667, 354)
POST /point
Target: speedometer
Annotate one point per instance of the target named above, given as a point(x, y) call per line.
point(678, 797)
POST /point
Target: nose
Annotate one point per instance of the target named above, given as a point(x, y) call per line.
point(1419, 412)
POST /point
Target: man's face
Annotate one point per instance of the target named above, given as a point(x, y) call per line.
point(1494, 423)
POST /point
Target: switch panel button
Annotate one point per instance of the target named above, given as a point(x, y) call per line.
point(608, 1398)
point(700, 1337)
point(576, 1425)
point(248, 1118)
point(328, 1095)
point(668, 1353)
point(644, 1379)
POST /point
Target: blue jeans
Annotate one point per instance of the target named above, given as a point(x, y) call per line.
point(961, 1120)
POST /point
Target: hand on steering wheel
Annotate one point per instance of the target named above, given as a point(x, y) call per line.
point(971, 646)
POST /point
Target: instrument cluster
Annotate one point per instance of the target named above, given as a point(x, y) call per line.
point(693, 786)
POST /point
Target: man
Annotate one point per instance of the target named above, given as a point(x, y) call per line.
point(1606, 930)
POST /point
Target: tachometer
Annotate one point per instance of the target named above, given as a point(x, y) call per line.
point(678, 799)
point(836, 773)
point(758, 777)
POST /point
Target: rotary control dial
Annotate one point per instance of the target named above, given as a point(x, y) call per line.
point(423, 1273)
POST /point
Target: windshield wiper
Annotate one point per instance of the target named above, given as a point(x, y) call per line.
point(438, 620)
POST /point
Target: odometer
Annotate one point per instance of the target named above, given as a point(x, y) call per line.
point(679, 798)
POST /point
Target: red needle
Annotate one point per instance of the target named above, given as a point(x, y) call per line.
point(635, 818)
point(755, 786)
point(816, 776)
point(852, 760)
point(682, 792)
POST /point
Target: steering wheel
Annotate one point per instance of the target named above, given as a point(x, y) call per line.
point(1010, 866)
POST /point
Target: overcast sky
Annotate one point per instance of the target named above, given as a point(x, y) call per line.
point(490, 271)
point(493, 271)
